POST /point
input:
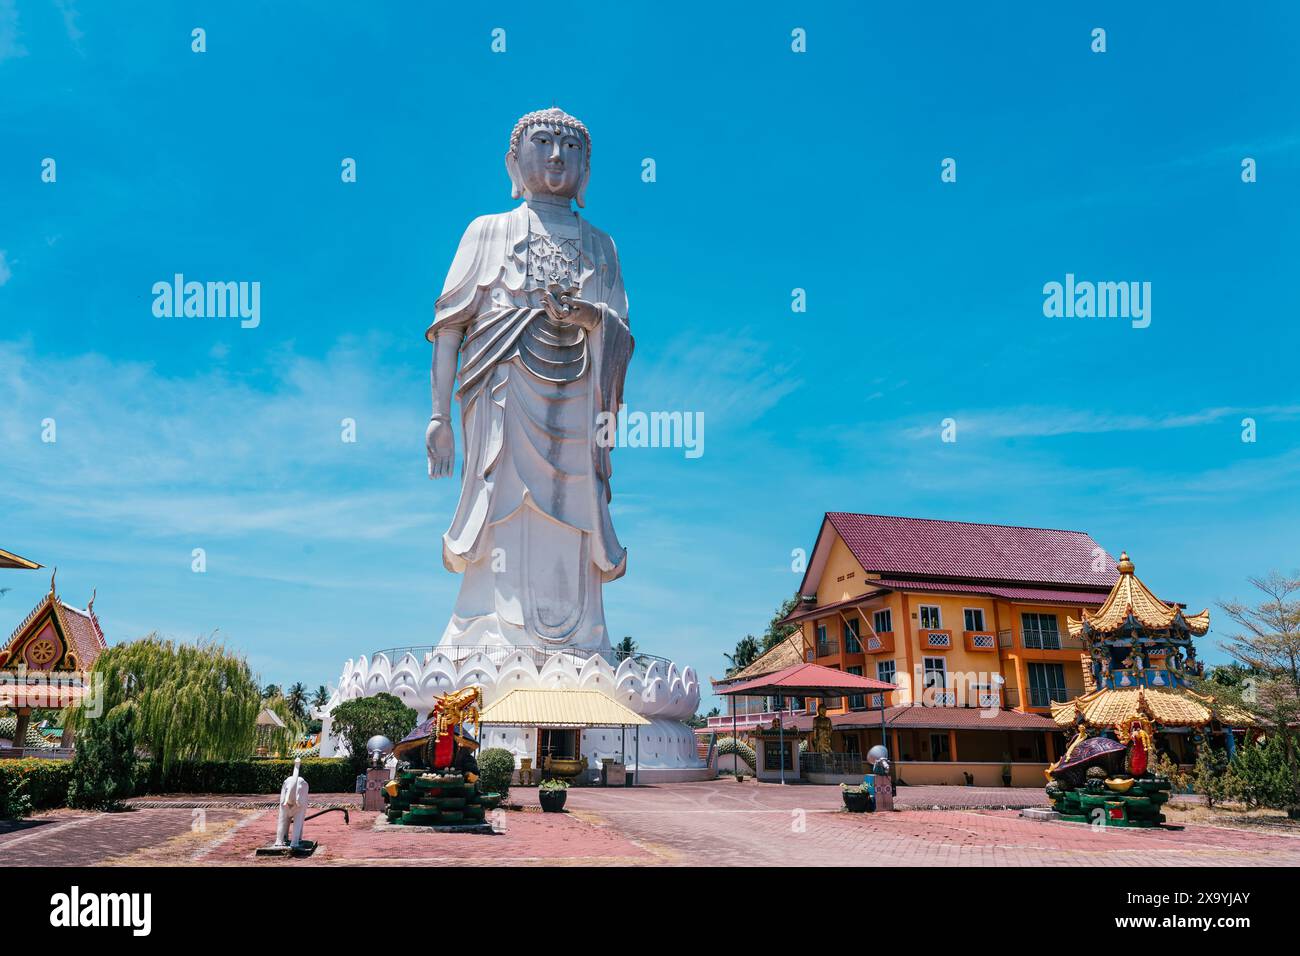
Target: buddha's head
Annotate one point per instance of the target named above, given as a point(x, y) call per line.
point(549, 156)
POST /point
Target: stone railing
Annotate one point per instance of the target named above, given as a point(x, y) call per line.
point(499, 653)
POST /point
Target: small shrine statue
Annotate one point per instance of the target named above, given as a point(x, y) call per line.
point(443, 742)
point(821, 734)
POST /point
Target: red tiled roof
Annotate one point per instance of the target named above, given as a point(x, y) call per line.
point(807, 680)
point(1035, 595)
point(84, 633)
point(930, 718)
point(956, 549)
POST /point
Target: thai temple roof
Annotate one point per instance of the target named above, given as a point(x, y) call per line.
point(1180, 707)
point(69, 638)
point(1130, 598)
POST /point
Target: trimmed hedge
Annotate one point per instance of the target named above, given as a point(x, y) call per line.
point(323, 775)
point(47, 780)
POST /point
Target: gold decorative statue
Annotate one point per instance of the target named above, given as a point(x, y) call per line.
point(821, 734)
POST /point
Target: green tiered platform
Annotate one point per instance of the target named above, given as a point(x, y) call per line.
point(1139, 807)
point(448, 802)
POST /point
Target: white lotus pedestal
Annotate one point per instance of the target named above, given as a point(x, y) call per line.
point(652, 687)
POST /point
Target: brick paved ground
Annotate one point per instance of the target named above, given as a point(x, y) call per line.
point(722, 822)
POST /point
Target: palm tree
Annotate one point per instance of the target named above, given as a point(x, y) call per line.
point(321, 697)
point(297, 698)
point(625, 648)
point(271, 690)
point(746, 652)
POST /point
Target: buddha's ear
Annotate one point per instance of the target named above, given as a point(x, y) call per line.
point(516, 181)
point(581, 197)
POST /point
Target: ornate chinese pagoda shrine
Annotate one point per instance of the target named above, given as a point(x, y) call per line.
point(1140, 655)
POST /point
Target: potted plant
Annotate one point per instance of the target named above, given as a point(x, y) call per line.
point(1006, 770)
point(856, 799)
point(552, 793)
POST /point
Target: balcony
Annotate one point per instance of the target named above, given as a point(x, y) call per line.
point(1041, 698)
point(827, 649)
point(936, 640)
point(980, 641)
point(881, 642)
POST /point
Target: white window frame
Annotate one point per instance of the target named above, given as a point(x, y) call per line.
point(974, 610)
point(1038, 633)
point(875, 621)
point(938, 616)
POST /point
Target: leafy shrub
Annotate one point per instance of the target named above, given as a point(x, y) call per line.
point(1264, 774)
point(553, 783)
point(1180, 781)
point(44, 781)
point(496, 767)
point(103, 767)
point(15, 802)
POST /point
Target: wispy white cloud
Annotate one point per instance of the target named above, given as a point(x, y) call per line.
point(10, 43)
point(5, 272)
point(1039, 422)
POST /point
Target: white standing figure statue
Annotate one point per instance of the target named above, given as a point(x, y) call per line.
point(535, 313)
point(293, 806)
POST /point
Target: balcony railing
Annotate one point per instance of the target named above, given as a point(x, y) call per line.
point(936, 640)
point(1043, 696)
point(879, 642)
point(828, 648)
point(844, 764)
point(980, 641)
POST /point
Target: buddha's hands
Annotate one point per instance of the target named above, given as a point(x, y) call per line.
point(440, 444)
point(565, 306)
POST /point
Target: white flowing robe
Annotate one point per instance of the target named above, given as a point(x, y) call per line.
point(532, 533)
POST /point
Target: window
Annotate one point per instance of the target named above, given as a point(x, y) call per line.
point(939, 747)
point(821, 634)
point(974, 618)
point(1039, 632)
point(852, 645)
point(930, 615)
point(883, 621)
point(884, 671)
point(936, 672)
point(856, 701)
point(1046, 684)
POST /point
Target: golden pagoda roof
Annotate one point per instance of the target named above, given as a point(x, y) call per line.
point(1168, 708)
point(1130, 596)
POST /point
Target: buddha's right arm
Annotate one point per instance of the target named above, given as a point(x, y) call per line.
point(446, 348)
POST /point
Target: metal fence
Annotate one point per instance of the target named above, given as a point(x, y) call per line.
point(833, 763)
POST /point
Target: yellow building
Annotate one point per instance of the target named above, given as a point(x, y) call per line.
point(969, 620)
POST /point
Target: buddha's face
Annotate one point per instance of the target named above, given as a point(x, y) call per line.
point(551, 161)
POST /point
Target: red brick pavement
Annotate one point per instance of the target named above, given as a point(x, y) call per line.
point(67, 838)
point(719, 823)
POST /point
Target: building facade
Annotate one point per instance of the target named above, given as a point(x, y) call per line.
point(969, 620)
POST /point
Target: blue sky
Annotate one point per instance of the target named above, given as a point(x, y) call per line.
point(775, 170)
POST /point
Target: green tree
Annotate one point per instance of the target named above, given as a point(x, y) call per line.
point(776, 631)
point(357, 720)
point(321, 697)
point(280, 740)
point(746, 653)
point(625, 648)
point(103, 768)
point(1266, 647)
point(297, 698)
point(191, 701)
point(271, 690)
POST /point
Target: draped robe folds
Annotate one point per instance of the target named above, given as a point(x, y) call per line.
point(532, 533)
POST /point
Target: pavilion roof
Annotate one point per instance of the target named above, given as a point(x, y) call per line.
point(1178, 707)
point(74, 635)
point(780, 656)
point(917, 717)
point(1130, 598)
point(10, 560)
point(807, 680)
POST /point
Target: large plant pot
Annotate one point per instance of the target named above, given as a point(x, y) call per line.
point(552, 801)
point(859, 802)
